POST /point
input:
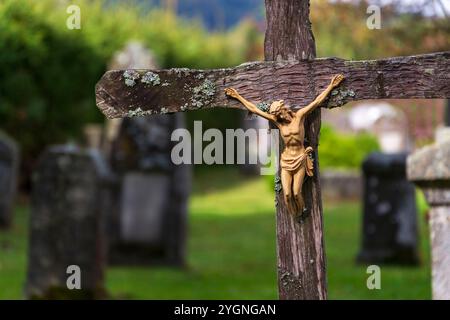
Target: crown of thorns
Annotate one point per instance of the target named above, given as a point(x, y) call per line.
point(274, 108)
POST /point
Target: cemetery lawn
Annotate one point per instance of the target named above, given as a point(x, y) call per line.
point(231, 251)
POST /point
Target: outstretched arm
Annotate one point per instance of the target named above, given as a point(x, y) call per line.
point(337, 79)
point(250, 106)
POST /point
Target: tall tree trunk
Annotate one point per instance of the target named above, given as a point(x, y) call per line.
point(301, 258)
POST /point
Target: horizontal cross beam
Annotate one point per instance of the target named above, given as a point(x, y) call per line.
point(122, 93)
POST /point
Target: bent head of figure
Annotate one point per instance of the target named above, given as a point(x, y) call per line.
point(282, 112)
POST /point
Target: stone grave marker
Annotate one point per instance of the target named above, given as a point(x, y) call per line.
point(429, 168)
point(9, 164)
point(67, 225)
point(149, 226)
point(389, 232)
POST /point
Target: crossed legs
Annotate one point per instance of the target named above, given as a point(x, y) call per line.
point(292, 183)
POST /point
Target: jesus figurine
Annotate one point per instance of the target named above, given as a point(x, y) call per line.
point(296, 160)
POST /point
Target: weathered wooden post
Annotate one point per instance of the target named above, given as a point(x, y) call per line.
point(300, 247)
point(296, 77)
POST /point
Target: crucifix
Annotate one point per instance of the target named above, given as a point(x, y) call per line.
point(291, 73)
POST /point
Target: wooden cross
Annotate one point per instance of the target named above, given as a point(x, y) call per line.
point(291, 73)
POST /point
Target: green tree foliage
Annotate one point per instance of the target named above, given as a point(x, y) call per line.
point(47, 73)
point(344, 151)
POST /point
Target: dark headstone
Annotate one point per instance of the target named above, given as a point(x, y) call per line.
point(67, 223)
point(9, 163)
point(148, 223)
point(390, 215)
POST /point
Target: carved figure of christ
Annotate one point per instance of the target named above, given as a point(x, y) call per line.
point(295, 160)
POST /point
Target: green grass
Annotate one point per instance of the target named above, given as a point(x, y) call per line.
point(347, 280)
point(231, 251)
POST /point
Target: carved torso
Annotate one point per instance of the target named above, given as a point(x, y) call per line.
point(293, 134)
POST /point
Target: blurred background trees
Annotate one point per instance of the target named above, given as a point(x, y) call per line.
point(48, 72)
point(341, 28)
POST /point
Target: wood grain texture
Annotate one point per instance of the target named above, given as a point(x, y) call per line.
point(297, 82)
point(288, 35)
point(300, 248)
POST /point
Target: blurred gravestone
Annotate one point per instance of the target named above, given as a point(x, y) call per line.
point(390, 215)
point(9, 163)
point(148, 223)
point(429, 168)
point(67, 224)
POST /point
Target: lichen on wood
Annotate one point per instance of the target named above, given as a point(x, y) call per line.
point(278, 187)
point(138, 113)
point(130, 77)
point(291, 284)
point(339, 97)
point(181, 72)
point(263, 106)
point(203, 94)
point(151, 78)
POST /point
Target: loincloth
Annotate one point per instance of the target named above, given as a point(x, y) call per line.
point(293, 163)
